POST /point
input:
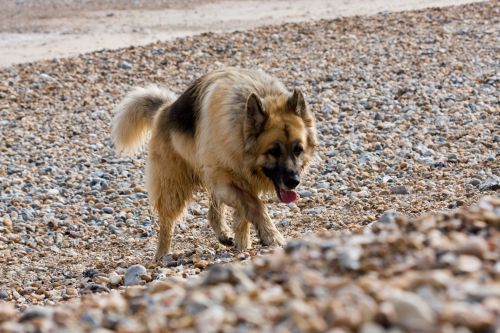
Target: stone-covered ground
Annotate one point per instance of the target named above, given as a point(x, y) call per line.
point(407, 106)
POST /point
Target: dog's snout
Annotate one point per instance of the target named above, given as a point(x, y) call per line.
point(291, 180)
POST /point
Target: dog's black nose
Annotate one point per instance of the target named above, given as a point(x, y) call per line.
point(291, 180)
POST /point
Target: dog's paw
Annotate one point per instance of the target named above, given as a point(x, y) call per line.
point(160, 254)
point(158, 259)
point(242, 243)
point(272, 239)
point(164, 260)
point(226, 240)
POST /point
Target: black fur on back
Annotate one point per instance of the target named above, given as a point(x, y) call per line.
point(183, 113)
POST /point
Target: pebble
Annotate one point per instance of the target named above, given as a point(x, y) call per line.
point(3, 294)
point(490, 184)
point(114, 278)
point(7, 223)
point(125, 65)
point(89, 273)
point(53, 191)
point(7, 312)
point(475, 182)
point(468, 263)
point(350, 256)
point(400, 189)
point(35, 313)
point(103, 280)
point(108, 210)
point(388, 217)
point(412, 312)
point(95, 288)
point(475, 246)
point(355, 282)
point(134, 274)
point(371, 327)
point(46, 77)
point(305, 194)
point(71, 291)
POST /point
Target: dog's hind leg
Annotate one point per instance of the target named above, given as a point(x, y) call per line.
point(170, 185)
point(217, 222)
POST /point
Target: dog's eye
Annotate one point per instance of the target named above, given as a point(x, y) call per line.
point(274, 151)
point(298, 150)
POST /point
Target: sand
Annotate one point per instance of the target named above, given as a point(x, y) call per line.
point(35, 30)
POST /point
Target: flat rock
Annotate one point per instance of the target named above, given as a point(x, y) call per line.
point(134, 274)
point(400, 189)
point(412, 312)
point(490, 184)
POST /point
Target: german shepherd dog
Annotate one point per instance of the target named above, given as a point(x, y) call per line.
point(236, 132)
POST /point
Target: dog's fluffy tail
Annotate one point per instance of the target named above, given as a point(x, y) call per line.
point(134, 116)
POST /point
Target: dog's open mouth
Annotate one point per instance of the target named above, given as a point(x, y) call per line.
point(287, 196)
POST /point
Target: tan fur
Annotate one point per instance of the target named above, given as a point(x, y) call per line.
point(221, 154)
point(134, 117)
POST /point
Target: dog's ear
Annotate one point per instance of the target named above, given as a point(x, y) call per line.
point(255, 120)
point(296, 103)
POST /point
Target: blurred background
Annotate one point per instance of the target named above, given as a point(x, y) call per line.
point(42, 29)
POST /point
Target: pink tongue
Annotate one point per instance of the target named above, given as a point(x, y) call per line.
point(288, 196)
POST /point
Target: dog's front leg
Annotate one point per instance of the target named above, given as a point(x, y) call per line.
point(241, 229)
point(248, 208)
point(267, 231)
point(217, 222)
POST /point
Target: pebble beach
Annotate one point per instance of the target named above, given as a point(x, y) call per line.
point(398, 223)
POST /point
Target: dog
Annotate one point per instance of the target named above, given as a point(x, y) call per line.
point(236, 132)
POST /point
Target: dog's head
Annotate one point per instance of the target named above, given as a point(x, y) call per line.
point(280, 133)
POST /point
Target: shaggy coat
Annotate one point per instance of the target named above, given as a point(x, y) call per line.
point(236, 132)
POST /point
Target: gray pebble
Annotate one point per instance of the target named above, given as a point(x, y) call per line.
point(327, 109)
point(133, 275)
point(475, 182)
point(324, 185)
point(388, 217)
point(53, 191)
point(491, 183)
point(452, 158)
point(28, 214)
point(90, 273)
point(35, 313)
point(284, 223)
point(96, 288)
point(365, 157)
point(125, 65)
point(46, 77)
point(108, 210)
point(400, 189)
point(90, 319)
point(182, 226)
point(349, 257)
point(305, 194)
point(315, 211)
